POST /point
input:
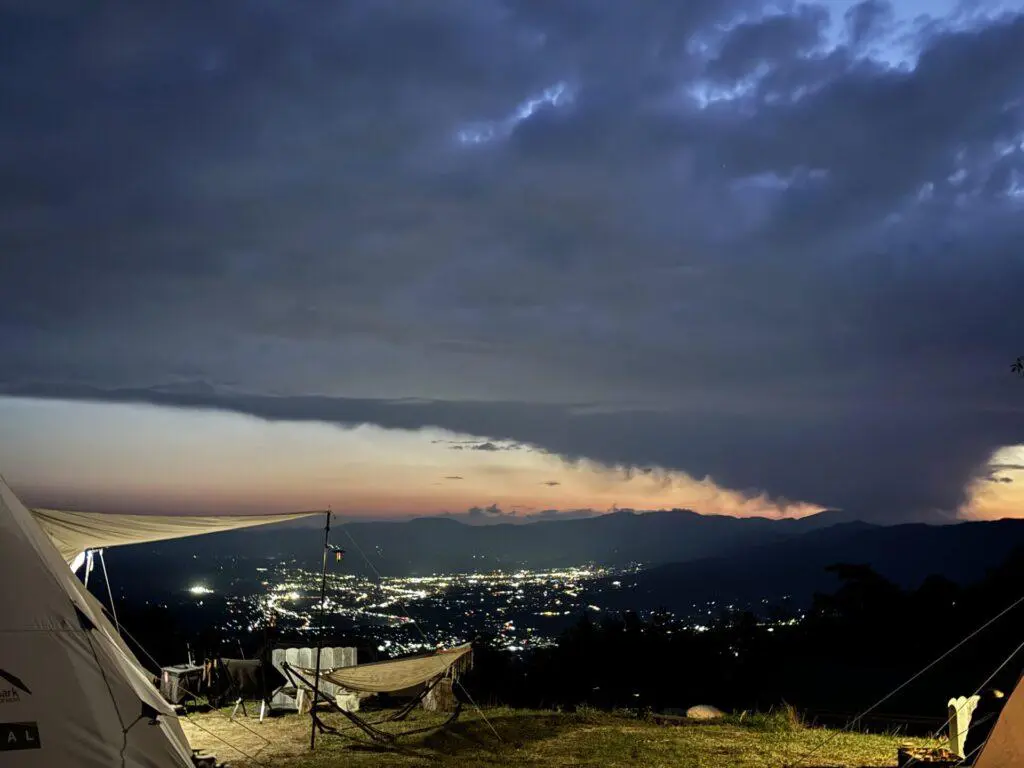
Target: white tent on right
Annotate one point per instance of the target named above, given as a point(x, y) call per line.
point(1005, 745)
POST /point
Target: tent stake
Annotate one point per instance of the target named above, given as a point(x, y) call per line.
point(320, 634)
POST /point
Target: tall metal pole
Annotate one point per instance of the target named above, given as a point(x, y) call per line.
point(319, 636)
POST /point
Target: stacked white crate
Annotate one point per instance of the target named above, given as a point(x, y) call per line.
point(330, 658)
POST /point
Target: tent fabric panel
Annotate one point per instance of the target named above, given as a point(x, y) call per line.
point(146, 744)
point(112, 645)
point(76, 712)
point(1005, 745)
point(73, 672)
point(399, 675)
point(74, 532)
point(113, 654)
point(56, 689)
point(158, 745)
point(49, 592)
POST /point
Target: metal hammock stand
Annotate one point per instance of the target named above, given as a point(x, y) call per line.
point(369, 728)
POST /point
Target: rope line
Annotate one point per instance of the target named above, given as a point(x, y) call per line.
point(45, 630)
point(242, 752)
point(113, 699)
point(110, 591)
point(193, 694)
point(124, 739)
point(978, 690)
point(911, 679)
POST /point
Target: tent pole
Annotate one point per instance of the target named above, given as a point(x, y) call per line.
point(320, 634)
point(110, 591)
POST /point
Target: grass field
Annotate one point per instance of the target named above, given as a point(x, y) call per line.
point(542, 740)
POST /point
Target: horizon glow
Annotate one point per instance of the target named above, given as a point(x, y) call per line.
point(141, 458)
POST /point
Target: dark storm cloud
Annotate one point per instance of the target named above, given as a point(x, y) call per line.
point(491, 512)
point(560, 514)
point(495, 514)
point(768, 42)
point(477, 445)
point(666, 235)
point(865, 20)
point(993, 472)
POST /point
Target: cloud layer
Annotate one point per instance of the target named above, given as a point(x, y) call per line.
point(778, 248)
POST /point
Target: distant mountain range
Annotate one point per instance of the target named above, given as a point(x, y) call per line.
point(688, 556)
point(904, 554)
point(436, 544)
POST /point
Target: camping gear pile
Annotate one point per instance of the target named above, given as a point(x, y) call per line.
point(926, 758)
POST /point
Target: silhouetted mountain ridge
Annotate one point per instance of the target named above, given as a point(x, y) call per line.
point(904, 554)
point(438, 544)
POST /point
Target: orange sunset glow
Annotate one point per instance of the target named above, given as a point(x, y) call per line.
point(141, 458)
point(1001, 493)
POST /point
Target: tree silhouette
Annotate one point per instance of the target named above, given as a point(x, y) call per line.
point(1018, 366)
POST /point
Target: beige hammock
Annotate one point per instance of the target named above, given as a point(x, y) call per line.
point(399, 674)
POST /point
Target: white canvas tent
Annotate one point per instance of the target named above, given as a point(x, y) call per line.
point(1005, 745)
point(71, 692)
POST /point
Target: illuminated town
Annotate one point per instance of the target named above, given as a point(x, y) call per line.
point(518, 610)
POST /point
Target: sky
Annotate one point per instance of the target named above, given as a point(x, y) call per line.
point(513, 260)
